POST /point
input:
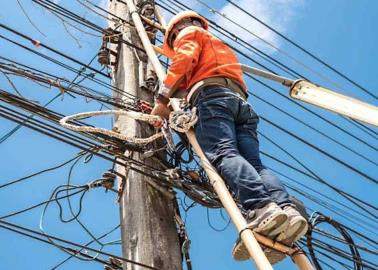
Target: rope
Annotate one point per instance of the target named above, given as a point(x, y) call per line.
point(182, 121)
point(110, 133)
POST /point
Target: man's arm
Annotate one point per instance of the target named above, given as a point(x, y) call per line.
point(187, 50)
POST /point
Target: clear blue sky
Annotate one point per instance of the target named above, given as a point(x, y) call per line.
point(342, 33)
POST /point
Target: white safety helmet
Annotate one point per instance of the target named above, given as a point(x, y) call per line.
point(171, 33)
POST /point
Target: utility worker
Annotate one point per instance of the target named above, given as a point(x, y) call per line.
point(207, 73)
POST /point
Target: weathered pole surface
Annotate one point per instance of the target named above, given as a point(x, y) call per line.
point(148, 229)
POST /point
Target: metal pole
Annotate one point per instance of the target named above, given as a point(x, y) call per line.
point(267, 75)
point(148, 229)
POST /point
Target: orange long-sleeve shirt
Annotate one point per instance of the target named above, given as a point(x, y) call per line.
point(199, 55)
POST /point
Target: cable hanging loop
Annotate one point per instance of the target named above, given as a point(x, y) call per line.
point(134, 115)
point(183, 120)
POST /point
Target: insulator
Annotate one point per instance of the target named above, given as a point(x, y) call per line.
point(104, 57)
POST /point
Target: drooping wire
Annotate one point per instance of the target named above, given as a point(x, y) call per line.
point(38, 236)
point(82, 249)
point(28, 18)
point(42, 171)
point(15, 213)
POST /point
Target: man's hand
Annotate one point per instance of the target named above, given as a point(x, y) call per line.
point(161, 110)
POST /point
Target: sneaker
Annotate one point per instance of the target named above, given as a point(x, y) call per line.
point(274, 256)
point(297, 228)
point(269, 220)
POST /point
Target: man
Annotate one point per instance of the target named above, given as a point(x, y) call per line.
point(208, 74)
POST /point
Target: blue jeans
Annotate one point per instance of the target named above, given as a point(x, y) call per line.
point(226, 131)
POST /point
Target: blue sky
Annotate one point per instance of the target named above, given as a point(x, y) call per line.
point(342, 33)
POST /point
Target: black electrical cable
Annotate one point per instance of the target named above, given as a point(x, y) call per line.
point(38, 205)
point(75, 88)
point(283, 52)
point(54, 118)
point(358, 262)
point(90, 148)
point(197, 193)
point(58, 9)
point(304, 50)
point(315, 129)
point(14, 130)
point(347, 216)
point(312, 172)
point(75, 71)
point(313, 113)
point(89, 243)
point(42, 171)
point(216, 27)
point(32, 234)
point(212, 226)
point(55, 194)
point(365, 175)
point(53, 50)
point(28, 18)
point(319, 218)
point(72, 16)
point(341, 240)
point(345, 212)
point(11, 132)
point(48, 128)
point(372, 133)
point(333, 259)
point(298, 75)
point(76, 216)
point(107, 12)
point(317, 179)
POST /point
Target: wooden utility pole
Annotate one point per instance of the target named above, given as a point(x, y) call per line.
point(148, 229)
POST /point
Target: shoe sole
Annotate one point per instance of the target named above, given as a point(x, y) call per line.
point(297, 228)
point(274, 256)
point(240, 253)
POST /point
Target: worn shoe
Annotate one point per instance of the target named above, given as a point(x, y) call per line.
point(269, 220)
point(273, 255)
point(297, 228)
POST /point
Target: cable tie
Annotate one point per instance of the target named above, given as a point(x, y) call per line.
point(242, 230)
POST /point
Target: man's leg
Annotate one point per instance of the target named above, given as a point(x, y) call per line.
point(216, 134)
point(248, 145)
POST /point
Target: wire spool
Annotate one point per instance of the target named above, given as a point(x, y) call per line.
point(317, 219)
point(134, 115)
